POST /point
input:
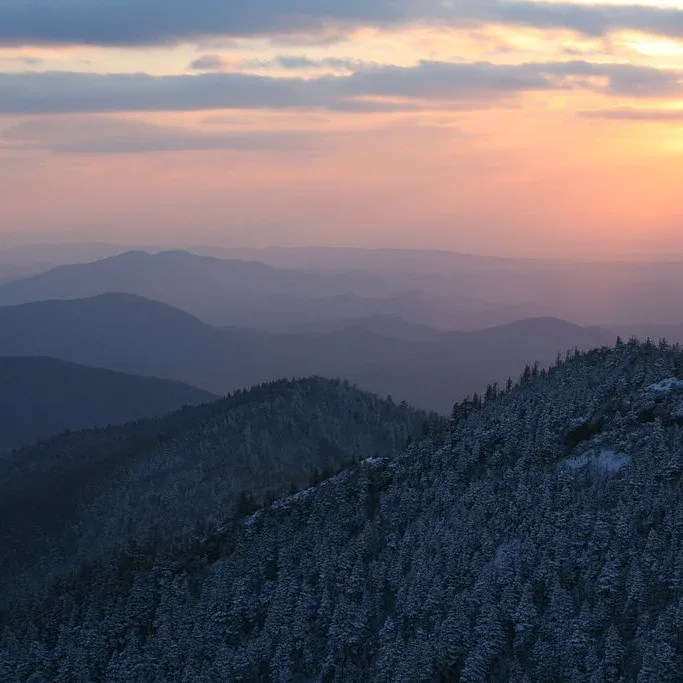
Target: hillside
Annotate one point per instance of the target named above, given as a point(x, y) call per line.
point(40, 397)
point(131, 334)
point(85, 495)
point(537, 538)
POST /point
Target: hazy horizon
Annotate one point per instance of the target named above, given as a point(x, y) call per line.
point(18, 244)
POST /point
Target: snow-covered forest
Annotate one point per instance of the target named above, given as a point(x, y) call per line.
point(536, 537)
point(82, 496)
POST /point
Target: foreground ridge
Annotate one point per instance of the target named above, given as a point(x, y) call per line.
point(538, 537)
point(76, 499)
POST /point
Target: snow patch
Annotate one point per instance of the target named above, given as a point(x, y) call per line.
point(611, 462)
point(666, 386)
point(375, 462)
point(576, 463)
point(250, 521)
point(605, 462)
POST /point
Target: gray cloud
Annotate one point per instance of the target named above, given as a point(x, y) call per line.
point(303, 62)
point(623, 80)
point(71, 92)
point(378, 88)
point(24, 60)
point(110, 135)
point(141, 22)
point(208, 63)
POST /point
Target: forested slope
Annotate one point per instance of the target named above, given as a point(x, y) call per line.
point(538, 538)
point(82, 496)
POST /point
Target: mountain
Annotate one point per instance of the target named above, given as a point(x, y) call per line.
point(538, 537)
point(205, 286)
point(434, 372)
point(21, 262)
point(130, 334)
point(251, 294)
point(42, 254)
point(276, 289)
point(385, 261)
point(87, 495)
point(589, 292)
point(535, 337)
point(381, 325)
point(10, 272)
point(40, 397)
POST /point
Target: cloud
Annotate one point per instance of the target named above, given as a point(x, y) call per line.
point(301, 62)
point(25, 60)
point(377, 88)
point(111, 135)
point(68, 92)
point(139, 22)
point(633, 114)
point(209, 63)
point(143, 22)
point(622, 80)
point(291, 63)
point(71, 92)
point(595, 19)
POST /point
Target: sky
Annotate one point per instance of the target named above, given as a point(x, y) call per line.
point(505, 127)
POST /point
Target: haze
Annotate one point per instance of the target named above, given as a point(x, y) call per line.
point(497, 127)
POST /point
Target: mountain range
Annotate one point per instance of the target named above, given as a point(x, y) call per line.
point(130, 334)
point(587, 292)
point(441, 289)
point(252, 294)
point(284, 290)
point(41, 397)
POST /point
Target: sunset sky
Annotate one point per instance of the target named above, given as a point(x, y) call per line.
point(490, 126)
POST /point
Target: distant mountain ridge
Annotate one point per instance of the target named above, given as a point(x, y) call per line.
point(381, 325)
point(127, 333)
point(130, 334)
point(252, 294)
point(458, 291)
point(42, 397)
